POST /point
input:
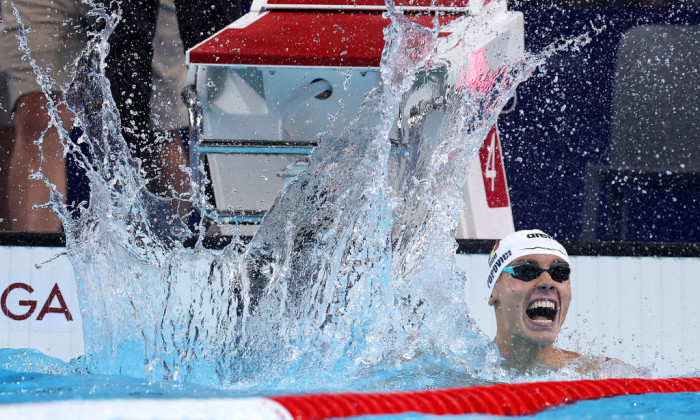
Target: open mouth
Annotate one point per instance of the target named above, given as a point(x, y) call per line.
point(542, 312)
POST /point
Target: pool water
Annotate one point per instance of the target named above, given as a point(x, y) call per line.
point(648, 406)
point(33, 387)
point(29, 376)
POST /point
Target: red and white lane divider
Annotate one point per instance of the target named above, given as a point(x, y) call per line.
point(501, 399)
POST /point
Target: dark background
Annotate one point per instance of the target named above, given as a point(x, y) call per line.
point(548, 149)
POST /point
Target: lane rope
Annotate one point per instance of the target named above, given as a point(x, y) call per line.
point(501, 399)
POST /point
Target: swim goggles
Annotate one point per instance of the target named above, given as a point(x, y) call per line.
point(528, 272)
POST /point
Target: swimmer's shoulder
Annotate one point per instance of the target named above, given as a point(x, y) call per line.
point(601, 367)
point(564, 357)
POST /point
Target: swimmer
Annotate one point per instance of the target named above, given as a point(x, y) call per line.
point(530, 285)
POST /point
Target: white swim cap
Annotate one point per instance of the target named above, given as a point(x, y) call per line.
point(518, 244)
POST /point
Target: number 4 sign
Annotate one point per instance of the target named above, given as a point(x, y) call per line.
point(492, 170)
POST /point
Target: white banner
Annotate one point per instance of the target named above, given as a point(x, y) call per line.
point(39, 302)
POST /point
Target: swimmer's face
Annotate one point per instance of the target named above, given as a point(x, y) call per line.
point(533, 310)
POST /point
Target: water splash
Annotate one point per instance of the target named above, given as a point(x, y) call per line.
point(351, 277)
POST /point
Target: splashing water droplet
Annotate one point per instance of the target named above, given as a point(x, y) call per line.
point(344, 277)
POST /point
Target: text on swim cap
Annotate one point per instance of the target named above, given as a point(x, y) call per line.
point(538, 235)
point(496, 265)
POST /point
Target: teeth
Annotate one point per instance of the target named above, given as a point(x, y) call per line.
point(542, 304)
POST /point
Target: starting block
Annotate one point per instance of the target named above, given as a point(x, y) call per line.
point(264, 88)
